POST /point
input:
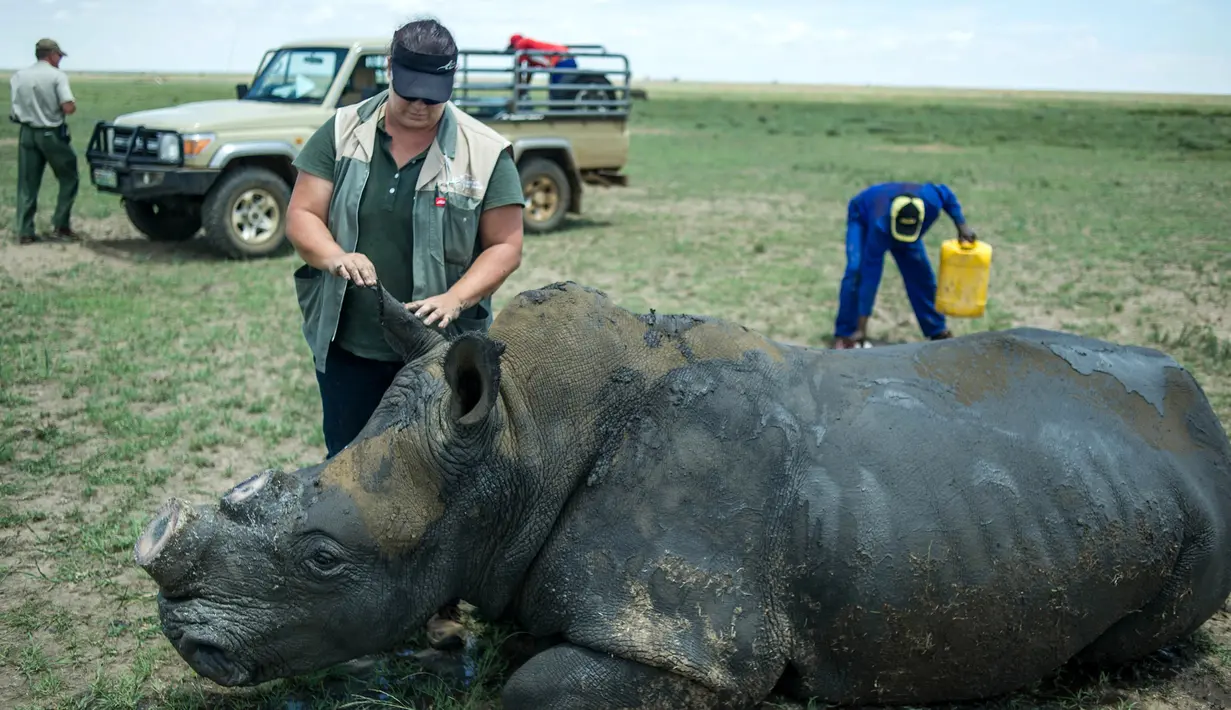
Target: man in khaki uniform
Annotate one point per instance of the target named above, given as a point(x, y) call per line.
point(41, 100)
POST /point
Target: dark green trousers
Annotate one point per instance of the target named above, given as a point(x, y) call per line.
point(39, 148)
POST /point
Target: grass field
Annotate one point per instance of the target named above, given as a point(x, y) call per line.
point(131, 371)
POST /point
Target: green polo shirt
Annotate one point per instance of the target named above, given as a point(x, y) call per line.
point(386, 229)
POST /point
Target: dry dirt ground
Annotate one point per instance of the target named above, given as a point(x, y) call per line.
point(145, 370)
point(1191, 677)
point(93, 506)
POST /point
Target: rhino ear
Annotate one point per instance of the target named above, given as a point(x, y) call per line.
point(405, 333)
point(472, 369)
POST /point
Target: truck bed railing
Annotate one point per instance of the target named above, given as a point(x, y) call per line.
point(492, 84)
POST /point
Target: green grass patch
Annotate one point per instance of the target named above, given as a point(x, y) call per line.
point(130, 371)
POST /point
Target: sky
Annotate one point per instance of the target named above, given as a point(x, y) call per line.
point(1170, 46)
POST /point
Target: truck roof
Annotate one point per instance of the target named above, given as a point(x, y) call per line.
point(349, 42)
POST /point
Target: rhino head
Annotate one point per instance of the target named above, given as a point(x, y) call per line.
point(291, 572)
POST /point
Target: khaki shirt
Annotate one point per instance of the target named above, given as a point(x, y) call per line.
point(38, 92)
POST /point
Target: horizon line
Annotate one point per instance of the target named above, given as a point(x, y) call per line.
point(6, 71)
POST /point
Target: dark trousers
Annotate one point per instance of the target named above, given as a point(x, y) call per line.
point(351, 388)
point(39, 148)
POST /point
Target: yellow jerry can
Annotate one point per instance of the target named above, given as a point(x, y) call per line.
point(961, 285)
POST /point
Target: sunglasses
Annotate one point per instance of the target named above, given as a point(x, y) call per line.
point(412, 99)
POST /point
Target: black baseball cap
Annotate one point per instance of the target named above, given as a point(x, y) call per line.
point(423, 76)
point(906, 216)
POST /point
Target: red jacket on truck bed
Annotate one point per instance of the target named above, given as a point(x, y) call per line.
point(517, 42)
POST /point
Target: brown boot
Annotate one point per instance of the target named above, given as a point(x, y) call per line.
point(66, 234)
point(943, 335)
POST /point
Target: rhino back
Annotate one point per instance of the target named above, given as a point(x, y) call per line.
point(878, 524)
point(1008, 495)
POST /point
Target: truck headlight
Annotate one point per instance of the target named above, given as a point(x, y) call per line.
point(169, 147)
point(196, 143)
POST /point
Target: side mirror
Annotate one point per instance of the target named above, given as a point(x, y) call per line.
point(241, 90)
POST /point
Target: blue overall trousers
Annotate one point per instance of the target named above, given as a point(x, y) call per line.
point(868, 237)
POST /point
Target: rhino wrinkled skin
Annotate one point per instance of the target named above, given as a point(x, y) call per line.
point(699, 516)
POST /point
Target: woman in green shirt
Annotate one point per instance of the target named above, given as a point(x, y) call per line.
point(395, 214)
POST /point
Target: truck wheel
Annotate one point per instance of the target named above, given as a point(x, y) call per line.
point(164, 220)
point(547, 193)
point(591, 91)
point(245, 213)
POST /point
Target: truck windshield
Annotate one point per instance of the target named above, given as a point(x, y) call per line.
point(300, 75)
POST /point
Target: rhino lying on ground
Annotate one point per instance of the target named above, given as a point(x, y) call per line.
point(700, 516)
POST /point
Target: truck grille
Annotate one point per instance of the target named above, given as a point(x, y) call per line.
point(146, 146)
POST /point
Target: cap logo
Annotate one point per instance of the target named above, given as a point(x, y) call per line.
point(425, 63)
point(905, 215)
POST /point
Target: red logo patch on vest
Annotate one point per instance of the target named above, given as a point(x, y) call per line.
point(440, 202)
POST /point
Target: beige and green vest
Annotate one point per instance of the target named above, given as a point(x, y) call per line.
point(457, 168)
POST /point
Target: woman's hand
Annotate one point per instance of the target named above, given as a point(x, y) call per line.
point(446, 307)
point(354, 267)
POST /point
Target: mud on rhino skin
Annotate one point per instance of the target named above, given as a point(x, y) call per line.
point(704, 515)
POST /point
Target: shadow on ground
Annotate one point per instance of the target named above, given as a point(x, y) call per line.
point(429, 678)
point(143, 250)
point(578, 223)
point(1079, 686)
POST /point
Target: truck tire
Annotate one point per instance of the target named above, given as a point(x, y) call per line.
point(547, 192)
point(591, 91)
point(164, 220)
point(245, 213)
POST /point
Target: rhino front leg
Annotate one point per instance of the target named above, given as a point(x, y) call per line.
point(568, 677)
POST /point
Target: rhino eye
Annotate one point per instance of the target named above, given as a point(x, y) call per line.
point(325, 561)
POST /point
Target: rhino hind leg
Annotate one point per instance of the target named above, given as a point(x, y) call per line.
point(1180, 608)
point(566, 676)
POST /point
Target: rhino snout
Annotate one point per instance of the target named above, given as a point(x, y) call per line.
point(170, 543)
point(212, 662)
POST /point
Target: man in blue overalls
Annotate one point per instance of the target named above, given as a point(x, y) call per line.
point(893, 217)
